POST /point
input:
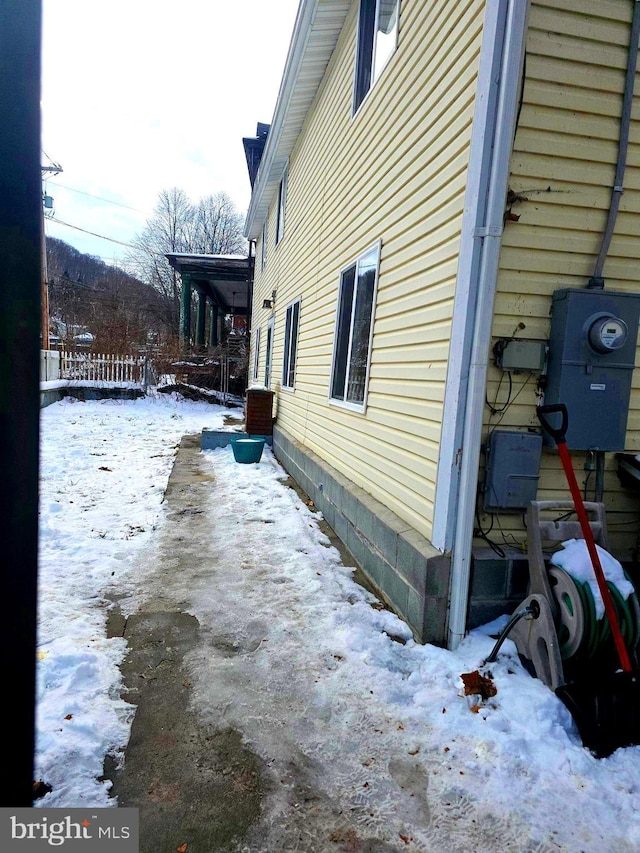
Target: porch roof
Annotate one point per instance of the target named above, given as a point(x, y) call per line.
point(222, 278)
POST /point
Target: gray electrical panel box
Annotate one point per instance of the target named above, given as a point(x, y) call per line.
point(512, 470)
point(523, 356)
point(592, 352)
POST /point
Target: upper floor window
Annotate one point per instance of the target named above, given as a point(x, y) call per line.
point(282, 204)
point(290, 344)
point(354, 330)
point(263, 252)
point(377, 39)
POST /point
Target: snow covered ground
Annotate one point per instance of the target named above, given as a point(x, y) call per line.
point(386, 716)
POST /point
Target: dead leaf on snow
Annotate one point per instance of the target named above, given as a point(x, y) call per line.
point(478, 685)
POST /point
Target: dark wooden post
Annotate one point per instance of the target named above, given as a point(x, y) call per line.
point(185, 311)
point(20, 316)
point(214, 336)
point(201, 319)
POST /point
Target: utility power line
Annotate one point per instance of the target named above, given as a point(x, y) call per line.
point(102, 237)
point(92, 233)
point(99, 197)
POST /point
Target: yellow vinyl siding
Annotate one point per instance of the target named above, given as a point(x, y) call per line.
point(563, 164)
point(395, 172)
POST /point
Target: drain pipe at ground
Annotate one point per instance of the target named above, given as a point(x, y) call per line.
point(499, 142)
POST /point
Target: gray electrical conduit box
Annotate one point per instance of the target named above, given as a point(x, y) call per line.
point(592, 352)
point(512, 469)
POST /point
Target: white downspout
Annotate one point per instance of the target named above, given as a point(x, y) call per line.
point(488, 229)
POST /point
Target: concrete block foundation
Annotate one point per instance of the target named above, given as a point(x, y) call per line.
point(406, 571)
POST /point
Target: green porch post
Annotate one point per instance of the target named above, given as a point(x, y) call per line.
point(201, 318)
point(185, 311)
point(213, 328)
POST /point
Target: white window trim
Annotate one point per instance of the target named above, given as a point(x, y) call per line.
point(281, 207)
point(268, 364)
point(361, 408)
point(256, 354)
point(356, 109)
point(293, 302)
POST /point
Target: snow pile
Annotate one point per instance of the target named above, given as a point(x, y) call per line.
point(575, 560)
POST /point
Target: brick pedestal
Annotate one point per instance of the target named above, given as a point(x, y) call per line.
point(258, 413)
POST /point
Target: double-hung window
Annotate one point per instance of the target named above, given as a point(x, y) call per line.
point(354, 330)
point(292, 321)
point(377, 39)
point(263, 253)
point(256, 353)
point(268, 354)
point(282, 204)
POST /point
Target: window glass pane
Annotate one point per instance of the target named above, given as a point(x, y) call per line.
point(343, 331)
point(364, 58)
point(294, 344)
point(385, 34)
point(256, 357)
point(362, 327)
point(267, 369)
point(282, 204)
point(287, 347)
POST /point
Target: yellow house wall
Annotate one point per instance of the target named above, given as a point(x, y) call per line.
point(563, 165)
point(394, 172)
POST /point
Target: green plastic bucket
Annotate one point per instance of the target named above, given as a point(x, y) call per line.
point(247, 450)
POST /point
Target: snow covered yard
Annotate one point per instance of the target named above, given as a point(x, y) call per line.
point(104, 468)
point(383, 726)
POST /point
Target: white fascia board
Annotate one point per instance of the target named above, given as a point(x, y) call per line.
point(297, 92)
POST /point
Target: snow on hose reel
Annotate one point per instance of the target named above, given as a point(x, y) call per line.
point(582, 635)
point(585, 660)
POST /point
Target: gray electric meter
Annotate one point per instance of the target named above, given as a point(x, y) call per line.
point(607, 333)
point(592, 353)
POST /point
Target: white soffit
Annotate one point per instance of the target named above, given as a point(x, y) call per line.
point(315, 33)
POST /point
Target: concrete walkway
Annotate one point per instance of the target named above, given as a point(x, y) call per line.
point(196, 783)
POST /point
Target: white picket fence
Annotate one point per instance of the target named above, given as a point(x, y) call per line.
point(107, 368)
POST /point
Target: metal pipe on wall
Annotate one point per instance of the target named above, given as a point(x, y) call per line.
point(597, 279)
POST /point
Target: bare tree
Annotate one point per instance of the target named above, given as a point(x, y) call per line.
point(218, 227)
point(211, 226)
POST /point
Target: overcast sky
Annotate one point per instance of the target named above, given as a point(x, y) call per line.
point(144, 95)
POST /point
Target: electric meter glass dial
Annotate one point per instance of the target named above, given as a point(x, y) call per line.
point(608, 334)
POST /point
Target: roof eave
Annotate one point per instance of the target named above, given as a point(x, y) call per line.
point(315, 34)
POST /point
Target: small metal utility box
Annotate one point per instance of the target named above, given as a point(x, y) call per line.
point(592, 351)
point(513, 470)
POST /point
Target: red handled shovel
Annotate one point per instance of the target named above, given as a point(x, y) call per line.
point(605, 707)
